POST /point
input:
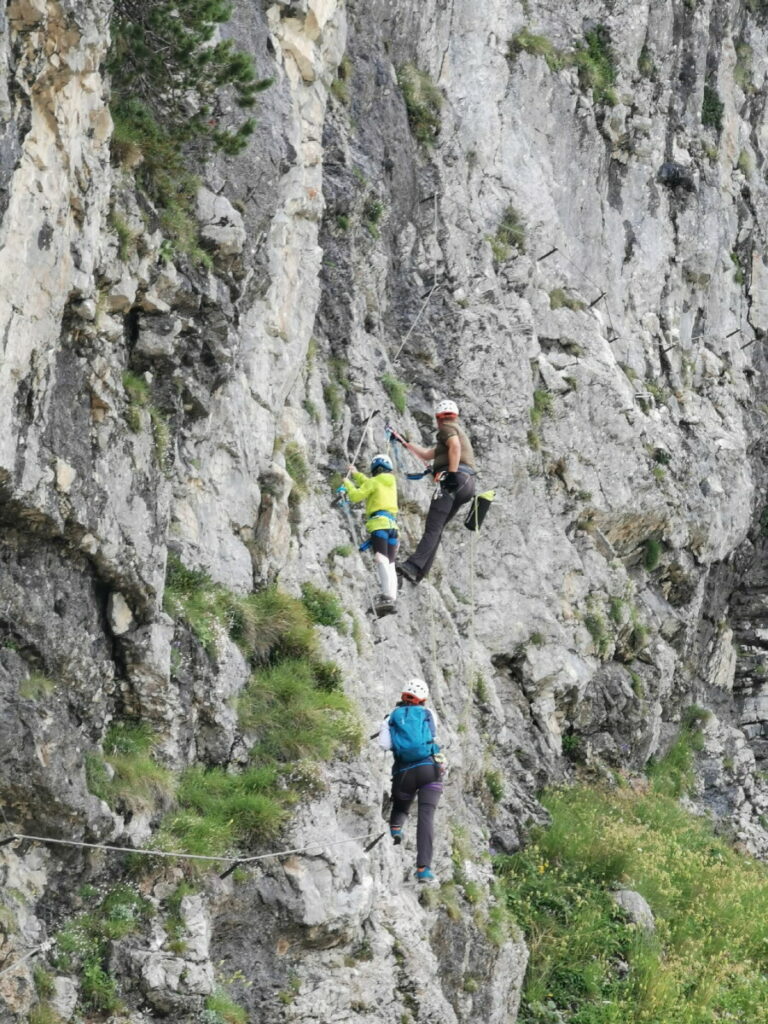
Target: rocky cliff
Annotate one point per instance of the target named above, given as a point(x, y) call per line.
point(553, 214)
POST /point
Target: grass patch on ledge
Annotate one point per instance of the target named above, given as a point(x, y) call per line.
point(593, 57)
point(292, 711)
point(423, 101)
point(128, 774)
point(83, 944)
point(706, 962)
point(294, 722)
point(267, 625)
point(323, 607)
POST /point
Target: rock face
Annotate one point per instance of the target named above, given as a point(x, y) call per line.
point(447, 197)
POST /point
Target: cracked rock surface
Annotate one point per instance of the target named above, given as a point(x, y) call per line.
point(608, 359)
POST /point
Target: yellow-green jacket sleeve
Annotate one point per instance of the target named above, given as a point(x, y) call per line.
point(363, 488)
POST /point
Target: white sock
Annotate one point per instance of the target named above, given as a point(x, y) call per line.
point(382, 571)
point(392, 590)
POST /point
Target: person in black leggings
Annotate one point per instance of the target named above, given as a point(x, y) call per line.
point(453, 467)
point(419, 778)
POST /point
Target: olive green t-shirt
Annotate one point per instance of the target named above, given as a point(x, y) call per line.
point(445, 431)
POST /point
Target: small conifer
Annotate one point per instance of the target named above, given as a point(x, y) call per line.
point(164, 63)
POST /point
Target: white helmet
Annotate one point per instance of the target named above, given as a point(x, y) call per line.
point(446, 408)
point(416, 688)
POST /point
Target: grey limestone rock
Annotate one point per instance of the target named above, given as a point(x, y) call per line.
point(606, 355)
point(636, 908)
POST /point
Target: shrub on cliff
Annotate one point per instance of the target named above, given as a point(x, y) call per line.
point(170, 89)
point(423, 101)
point(163, 58)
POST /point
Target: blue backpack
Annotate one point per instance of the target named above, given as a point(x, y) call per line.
point(409, 728)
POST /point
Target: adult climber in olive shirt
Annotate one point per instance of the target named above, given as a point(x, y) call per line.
point(453, 465)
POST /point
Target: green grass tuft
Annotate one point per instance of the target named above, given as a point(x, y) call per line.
point(125, 237)
point(323, 607)
point(137, 388)
point(293, 715)
point(543, 405)
point(397, 391)
point(207, 608)
point(495, 784)
point(36, 686)
point(271, 625)
point(297, 468)
point(226, 1010)
point(597, 65)
point(140, 401)
point(82, 946)
point(340, 84)
point(526, 41)
point(334, 401)
point(372, 212)
point(423, 101)
point(43, 1013)
point(594, 59)
point(652, 554)
point(672, 776)
point(293, 708)
point(645, 63)
point(560, 299)
point(712, 109)
point(510, 235)
point(217, 809)
point(266, 626)
point(600, 633)
point(43, 982)
point(136, 780)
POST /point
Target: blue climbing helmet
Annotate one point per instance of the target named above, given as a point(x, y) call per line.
point(380, 464)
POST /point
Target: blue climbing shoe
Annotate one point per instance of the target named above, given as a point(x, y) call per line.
point(424, 875)
point(396, 831)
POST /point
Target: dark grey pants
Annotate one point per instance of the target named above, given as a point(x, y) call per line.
point(443, 508)
point(423, 782)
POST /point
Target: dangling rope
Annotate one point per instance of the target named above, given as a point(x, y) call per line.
point(429, 294)
point(363, 435)
point(433, 635)
point(470, 671)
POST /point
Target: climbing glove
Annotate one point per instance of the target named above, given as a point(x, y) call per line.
point(450, 482)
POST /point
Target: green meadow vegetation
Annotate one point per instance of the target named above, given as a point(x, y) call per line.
point(707, 960)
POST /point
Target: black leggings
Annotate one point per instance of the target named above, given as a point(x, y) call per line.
point(425, 782)
point(442, 509)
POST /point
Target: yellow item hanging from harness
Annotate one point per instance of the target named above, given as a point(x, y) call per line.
point(478, 510)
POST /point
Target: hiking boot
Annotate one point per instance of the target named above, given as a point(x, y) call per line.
point(424, 875)
point(406, 571)
point(396, 831)
point(384, 605)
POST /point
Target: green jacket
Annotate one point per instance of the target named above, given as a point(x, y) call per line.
point(379, 493)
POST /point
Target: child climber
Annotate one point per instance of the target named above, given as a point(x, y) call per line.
point(409, 731)
point(379, 491)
